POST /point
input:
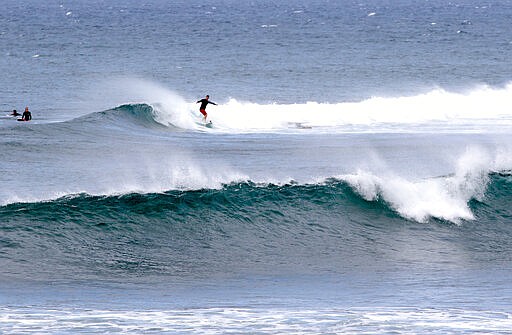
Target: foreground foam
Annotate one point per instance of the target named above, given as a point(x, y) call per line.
point(377, 320)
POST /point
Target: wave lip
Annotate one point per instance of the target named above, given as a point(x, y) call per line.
point(445, 198)
point(126, 115)
point(419, 201)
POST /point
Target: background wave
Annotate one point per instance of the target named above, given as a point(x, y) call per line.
point(437, 109)
point(482, 108)
point(477, 109)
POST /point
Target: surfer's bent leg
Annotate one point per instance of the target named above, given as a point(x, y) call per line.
point(203, 111)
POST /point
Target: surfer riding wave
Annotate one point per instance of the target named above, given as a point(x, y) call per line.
point(204, 102)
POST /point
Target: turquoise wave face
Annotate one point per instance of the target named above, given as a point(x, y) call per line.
point(242, 228)
point(142, 115)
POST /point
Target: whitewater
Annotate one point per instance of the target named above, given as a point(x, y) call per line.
point(476, 109)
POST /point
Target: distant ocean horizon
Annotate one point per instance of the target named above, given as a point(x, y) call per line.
point(355, 178)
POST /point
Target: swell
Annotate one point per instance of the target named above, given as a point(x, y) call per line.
point(182, 234)
point(237, 229)
point(242, 199)
point(245, 199)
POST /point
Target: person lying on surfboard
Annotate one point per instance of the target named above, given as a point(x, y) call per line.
point(205, 102)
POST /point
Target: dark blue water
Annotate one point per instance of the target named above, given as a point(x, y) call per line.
point(293, 51)
point(356, 177)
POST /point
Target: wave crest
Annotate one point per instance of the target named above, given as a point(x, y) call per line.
point(446, 197)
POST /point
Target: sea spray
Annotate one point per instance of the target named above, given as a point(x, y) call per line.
point(444, 197)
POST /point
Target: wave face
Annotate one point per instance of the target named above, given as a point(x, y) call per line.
point(139, 114)
point(247, 227)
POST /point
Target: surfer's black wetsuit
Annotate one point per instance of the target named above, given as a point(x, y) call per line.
point(26, 116)
point(205, 102)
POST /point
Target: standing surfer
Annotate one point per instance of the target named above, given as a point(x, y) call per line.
point(204, 102)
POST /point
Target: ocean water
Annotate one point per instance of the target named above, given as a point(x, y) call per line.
point(357, 178)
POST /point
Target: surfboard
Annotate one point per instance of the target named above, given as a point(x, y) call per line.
point(207, 125)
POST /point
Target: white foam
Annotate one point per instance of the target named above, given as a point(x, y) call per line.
point(481, 108)
point(416, 200)
point(445, 197)
point(370, 320)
